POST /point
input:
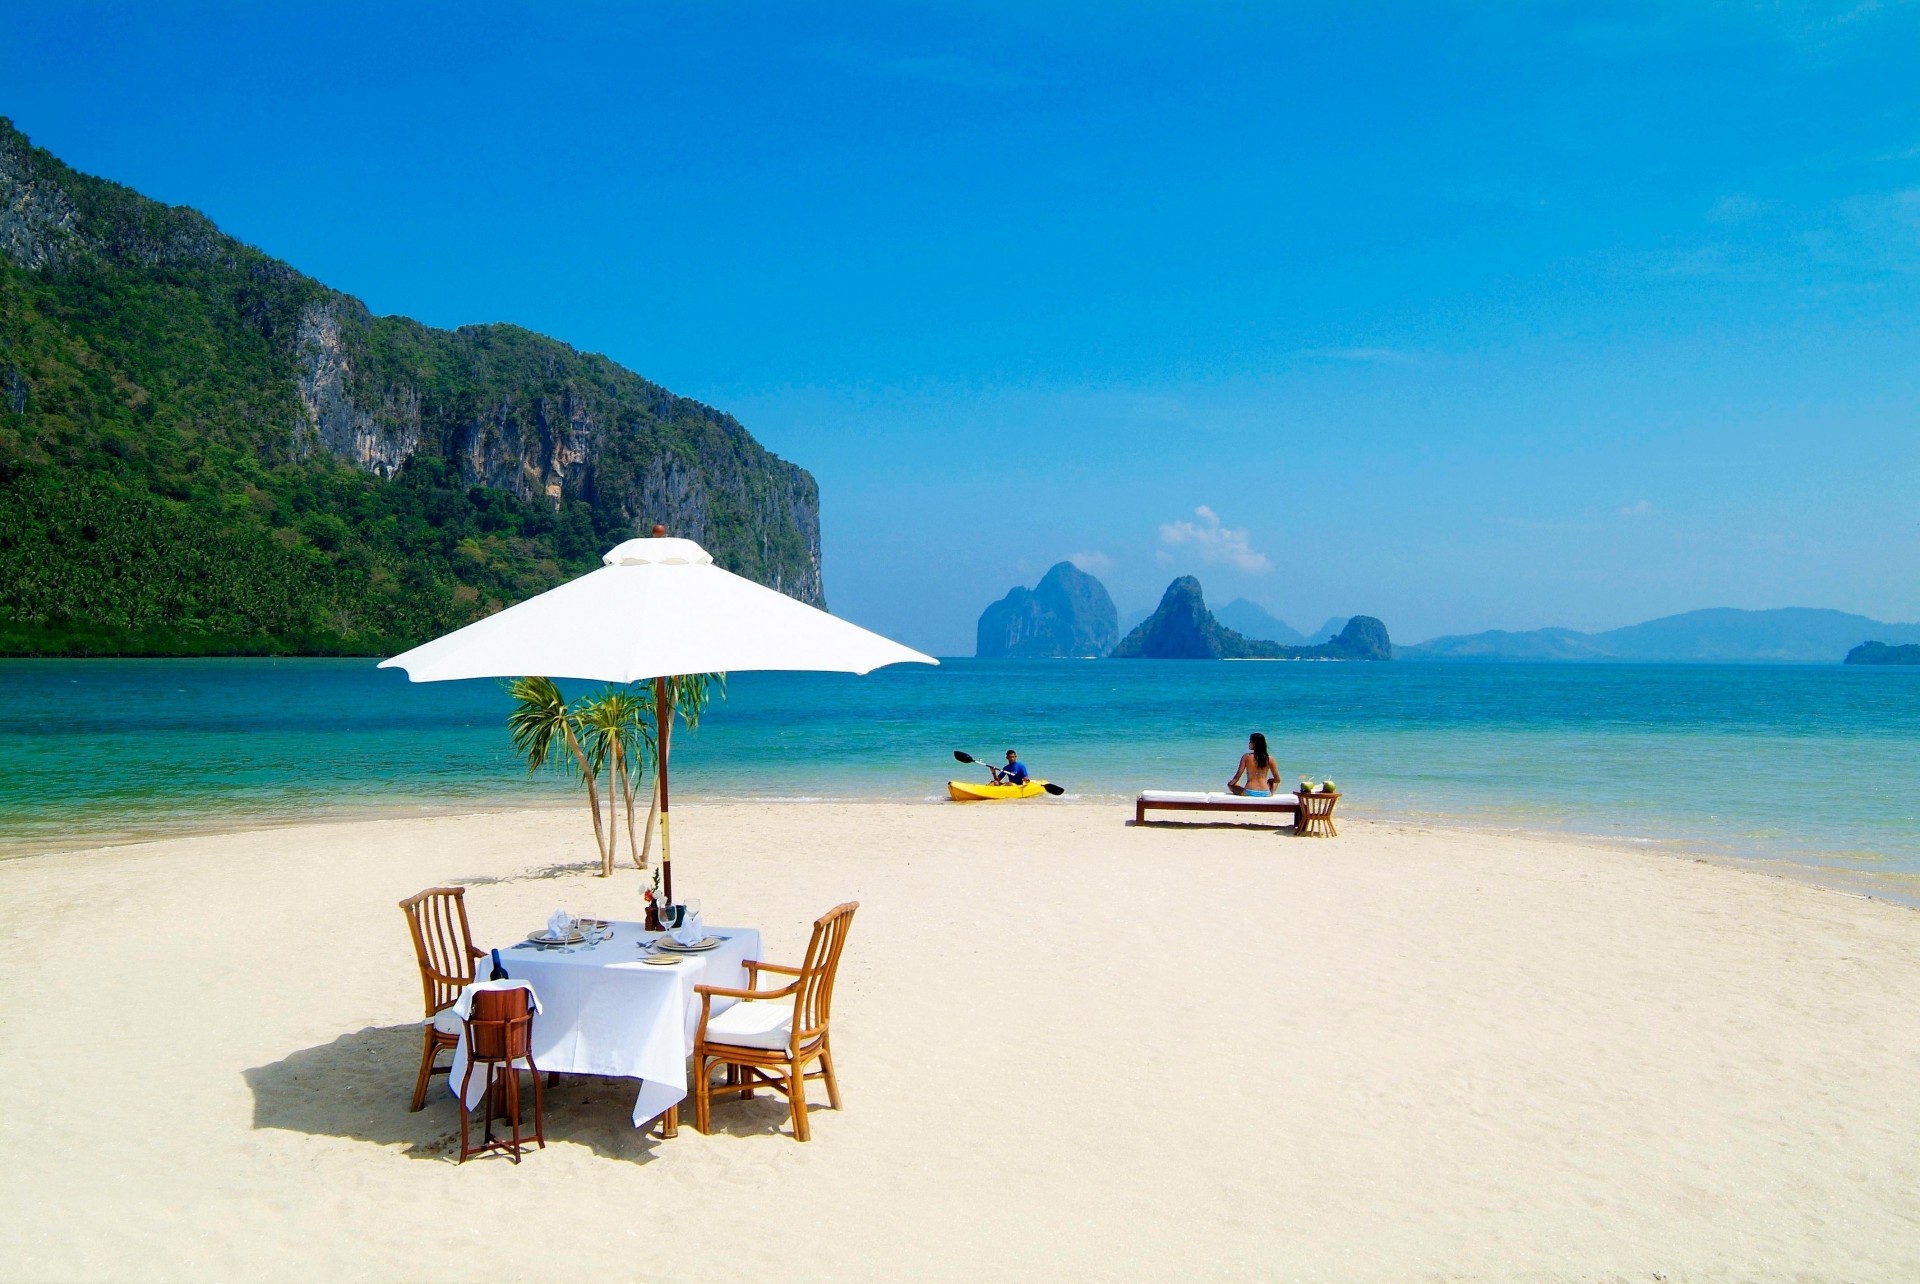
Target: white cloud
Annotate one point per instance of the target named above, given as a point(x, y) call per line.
point(1640, 509)
point(1213, 542)
point(1091, 563)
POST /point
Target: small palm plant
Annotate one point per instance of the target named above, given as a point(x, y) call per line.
point(613, 732)
point(546, 729)
point(618, 736)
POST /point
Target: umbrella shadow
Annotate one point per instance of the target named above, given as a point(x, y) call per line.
point(359, 1087)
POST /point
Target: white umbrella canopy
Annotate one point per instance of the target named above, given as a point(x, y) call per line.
point(658, 608)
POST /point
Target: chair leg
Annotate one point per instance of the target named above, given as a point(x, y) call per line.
point(466, 1149)
point(833, 1084)
point(797, 1101)
point(702, 1103)
point(426, 1072)
point(486, 1104)
point(511, 1076)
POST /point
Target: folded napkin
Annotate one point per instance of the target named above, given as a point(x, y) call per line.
point(558, 924)
point(690, 931)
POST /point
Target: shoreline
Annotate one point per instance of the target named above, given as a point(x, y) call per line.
point(1886, 886)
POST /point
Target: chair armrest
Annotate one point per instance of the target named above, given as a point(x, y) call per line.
point(728, 992)
point(753, 965)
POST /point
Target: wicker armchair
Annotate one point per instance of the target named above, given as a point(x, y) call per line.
point(770, 1037)
point(437, 918)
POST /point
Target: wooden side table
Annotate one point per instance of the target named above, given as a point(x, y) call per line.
point(1315, 819)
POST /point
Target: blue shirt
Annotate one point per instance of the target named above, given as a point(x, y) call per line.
point(1015, 771)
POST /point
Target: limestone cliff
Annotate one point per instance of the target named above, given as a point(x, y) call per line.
point(1182, 628)
point(368, 479)
point(1067, 615)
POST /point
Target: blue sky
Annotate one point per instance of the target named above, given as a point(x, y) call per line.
point(1464, 317)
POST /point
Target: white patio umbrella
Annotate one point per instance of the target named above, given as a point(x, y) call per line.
point(658, 608)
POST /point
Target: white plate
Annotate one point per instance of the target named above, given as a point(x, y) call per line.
point(548, 938)
point(668, 943)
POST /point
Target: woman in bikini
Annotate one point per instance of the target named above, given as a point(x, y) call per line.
point(1257, 777)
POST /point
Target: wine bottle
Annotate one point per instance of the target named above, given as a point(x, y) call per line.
point(499, 973)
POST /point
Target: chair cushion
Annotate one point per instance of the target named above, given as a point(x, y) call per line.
point(752, 1025)
point(446, 1021)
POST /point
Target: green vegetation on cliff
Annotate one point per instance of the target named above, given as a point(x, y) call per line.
point(204, 452)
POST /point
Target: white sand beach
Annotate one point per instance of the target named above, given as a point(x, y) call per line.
point(1070, 1049)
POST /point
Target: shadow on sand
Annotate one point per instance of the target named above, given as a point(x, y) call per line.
point(533, 875)
point(358, 1087)
point(1201, 826)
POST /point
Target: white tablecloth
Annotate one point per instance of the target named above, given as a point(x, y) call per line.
point(605, 1012)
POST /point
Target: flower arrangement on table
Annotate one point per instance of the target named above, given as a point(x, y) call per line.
point(653, 898)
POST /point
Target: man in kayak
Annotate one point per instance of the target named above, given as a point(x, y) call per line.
point(1014, 773)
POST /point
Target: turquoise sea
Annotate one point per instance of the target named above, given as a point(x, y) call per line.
point(1816, 765)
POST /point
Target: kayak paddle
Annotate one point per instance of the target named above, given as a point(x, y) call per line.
point(1048, 785)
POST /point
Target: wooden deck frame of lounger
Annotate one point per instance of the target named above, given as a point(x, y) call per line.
point(1313, 820)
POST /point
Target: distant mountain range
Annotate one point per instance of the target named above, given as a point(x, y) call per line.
point(1252, 620)
point(1256, 621)
point(1182, 628)
point(1070, 615)
point(1789, 635)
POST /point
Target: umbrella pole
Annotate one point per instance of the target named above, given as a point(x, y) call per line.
point(663, 727)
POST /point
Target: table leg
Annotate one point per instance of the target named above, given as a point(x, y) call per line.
point(670, 1122)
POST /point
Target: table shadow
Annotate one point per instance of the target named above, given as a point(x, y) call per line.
point(359, 1087)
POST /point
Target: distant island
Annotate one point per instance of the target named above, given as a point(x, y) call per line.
point(1182, 628)
point(1881, 653)
point(1789, 635)
point(1255, 621)
point(1067, 615)
point(205, 452)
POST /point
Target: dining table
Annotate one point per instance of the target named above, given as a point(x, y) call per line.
point(605, 1009)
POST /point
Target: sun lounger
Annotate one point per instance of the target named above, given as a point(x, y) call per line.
point(1178, 800)
point(1318, 822)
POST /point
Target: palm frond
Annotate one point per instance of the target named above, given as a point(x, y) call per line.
point(538, 721)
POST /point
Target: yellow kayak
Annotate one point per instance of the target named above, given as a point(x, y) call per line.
point(967, 791)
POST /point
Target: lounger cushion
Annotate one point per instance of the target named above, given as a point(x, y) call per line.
point(752, 1025)
point(1200, 800)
